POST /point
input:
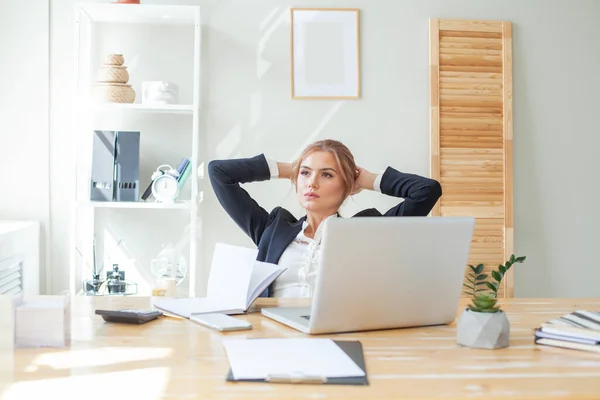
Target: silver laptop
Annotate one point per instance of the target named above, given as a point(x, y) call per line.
point(383, 273)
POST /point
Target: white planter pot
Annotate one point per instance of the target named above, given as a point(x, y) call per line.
point(483, 330)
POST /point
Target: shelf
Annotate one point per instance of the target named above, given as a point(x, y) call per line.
point(136, 205)
point(141, 13)
point(127, 107)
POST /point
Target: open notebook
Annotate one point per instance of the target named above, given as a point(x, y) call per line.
point(235, 280)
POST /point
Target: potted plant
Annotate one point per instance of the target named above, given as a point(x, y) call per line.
point(483, 324)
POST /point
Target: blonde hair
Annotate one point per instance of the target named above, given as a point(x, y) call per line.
point(343, 156)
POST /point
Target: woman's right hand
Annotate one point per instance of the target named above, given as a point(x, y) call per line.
point(285, 170)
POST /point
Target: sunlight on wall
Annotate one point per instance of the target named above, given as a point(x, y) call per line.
point(230, 142)
point(255, 111)
point(322, 124)
point(262, 66)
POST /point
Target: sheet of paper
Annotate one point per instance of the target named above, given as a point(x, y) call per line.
point(262, 275)
point(185, 307)
point(258, 358)
point(230, 273)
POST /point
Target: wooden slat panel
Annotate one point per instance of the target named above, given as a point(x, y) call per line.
point(459, 198)
point(464, 25)
point(434, 70)
point(470, 41)
point(474, 211)
point(476, 60)
point(471, 132)
point(471, 110)
point(470, 52)
point(467, 85)
point(452, 43)
point(471, 103)
point(471, 77)
point(467, 68)
point(479, 34)
point(508, 151)
point(471, 124)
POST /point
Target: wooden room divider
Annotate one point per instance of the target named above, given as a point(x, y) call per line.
point(472, 131)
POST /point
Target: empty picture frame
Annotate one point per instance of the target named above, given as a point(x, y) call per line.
point(325, 53)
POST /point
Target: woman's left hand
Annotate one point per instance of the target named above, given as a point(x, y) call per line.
point(364, 180)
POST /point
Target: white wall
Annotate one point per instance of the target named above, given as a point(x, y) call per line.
point(247, 110)
point(24, 133)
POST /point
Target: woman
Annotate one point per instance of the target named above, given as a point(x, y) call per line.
point(324, 175)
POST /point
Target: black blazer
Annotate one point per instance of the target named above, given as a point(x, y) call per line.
point(273, 232)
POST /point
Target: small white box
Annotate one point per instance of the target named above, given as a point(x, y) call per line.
point(44, 321)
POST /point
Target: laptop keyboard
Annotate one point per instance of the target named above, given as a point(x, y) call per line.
point(305, 317)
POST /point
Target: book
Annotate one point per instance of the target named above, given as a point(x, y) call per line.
point(567, 344)
point(182, 165)
point(235, 281)
point(579, 330)
point(184, 175)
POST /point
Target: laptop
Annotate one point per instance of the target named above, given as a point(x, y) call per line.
point(383, 273)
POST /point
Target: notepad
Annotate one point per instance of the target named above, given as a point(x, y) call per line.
point(235, 281)
point(291, 358)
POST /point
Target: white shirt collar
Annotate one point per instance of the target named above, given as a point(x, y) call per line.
point(320, 228)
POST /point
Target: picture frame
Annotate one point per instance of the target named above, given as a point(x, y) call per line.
point(325, 53)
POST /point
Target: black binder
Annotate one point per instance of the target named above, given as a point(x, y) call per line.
point(352, 348)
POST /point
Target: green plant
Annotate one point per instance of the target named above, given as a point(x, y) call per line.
point(484, 298)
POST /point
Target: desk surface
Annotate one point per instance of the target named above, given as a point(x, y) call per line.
point(175, 359)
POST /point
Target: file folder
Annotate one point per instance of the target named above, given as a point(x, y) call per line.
point(127, 166)
point(103, 161)
point(352, 348)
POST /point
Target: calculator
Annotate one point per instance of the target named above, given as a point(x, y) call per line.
point(129, 315)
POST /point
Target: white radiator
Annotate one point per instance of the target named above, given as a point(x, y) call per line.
point(11, 276)
point(20, 258)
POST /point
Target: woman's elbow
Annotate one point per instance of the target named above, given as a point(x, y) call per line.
point(435, 190)
point(214, 169)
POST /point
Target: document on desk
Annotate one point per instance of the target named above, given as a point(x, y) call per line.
point(289, 358)
point(235, 280)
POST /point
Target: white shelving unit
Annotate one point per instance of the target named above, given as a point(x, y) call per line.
point(158, 42)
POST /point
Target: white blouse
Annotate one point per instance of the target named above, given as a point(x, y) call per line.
point(301, 258)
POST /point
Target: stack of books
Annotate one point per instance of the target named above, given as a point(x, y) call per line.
point(579, 330)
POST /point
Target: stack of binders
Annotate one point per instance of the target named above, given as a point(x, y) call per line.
point(579, 330)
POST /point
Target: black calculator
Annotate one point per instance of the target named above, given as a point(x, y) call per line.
point(129, 315)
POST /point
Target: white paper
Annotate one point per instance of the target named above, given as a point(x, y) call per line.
point(259, 358)
point(262, 275)
point(231, 268)
point(185, 307)
point(228, 283)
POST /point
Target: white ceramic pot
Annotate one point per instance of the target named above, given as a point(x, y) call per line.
point(483, 330)
point(159, 92)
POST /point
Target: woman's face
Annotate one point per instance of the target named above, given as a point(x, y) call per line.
point(320, 187)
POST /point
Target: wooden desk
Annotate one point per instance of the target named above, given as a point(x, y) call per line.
point(176, 359)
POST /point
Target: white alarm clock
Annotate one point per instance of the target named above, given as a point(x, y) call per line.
point(165, 186)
